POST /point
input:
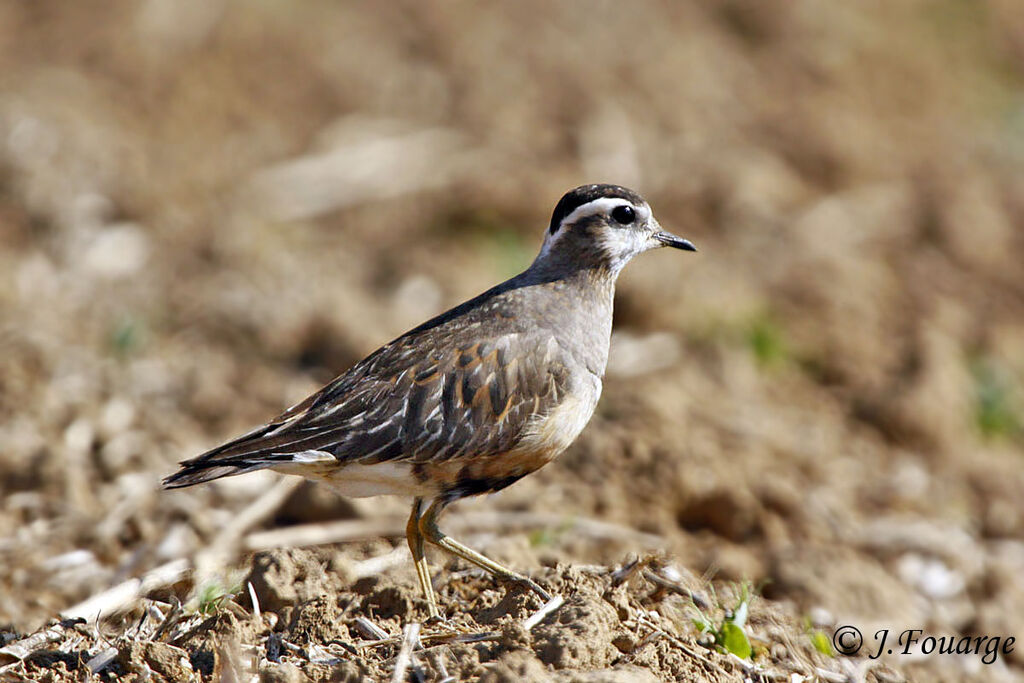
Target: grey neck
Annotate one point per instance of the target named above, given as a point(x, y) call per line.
point(577, 307)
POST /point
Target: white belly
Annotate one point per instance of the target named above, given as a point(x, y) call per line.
point(554, 432)
point(379, 479)
point(363, 481)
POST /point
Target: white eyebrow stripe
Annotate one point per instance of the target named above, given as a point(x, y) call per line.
point(595, 206)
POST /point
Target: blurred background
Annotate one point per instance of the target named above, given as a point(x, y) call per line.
point(208, 208)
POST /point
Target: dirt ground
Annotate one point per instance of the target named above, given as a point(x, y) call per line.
point(208, 208)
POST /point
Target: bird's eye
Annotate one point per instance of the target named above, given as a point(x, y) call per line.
point(623, 214)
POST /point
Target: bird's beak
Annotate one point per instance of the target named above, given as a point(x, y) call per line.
point(667, 239)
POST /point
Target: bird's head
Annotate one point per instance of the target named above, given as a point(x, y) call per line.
point(603, 226)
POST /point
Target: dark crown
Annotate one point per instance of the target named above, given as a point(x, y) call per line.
point(573, 199)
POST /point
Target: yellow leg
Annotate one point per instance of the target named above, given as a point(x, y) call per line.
point(415, 539)
point(429, 531)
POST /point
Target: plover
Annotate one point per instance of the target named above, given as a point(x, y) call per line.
point(473, 400)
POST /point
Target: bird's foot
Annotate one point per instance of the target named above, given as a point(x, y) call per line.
point(526, 583)
point(438, 620)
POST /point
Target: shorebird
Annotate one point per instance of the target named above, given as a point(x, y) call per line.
point(474, 399)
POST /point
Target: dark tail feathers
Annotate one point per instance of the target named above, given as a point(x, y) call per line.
point(192, 473)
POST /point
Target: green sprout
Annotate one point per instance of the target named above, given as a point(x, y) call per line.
point(730, 635)
point(126, 336)
point(995, 411)
point(821, 642)
point(765, 338)
point(213, 596)
point(548, 536)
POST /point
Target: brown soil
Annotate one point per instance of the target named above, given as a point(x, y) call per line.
point(208, 208)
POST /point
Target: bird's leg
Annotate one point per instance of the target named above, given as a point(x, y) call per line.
point(415, 539)
point(429, 531)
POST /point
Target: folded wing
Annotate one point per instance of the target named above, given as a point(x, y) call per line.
point(421, 398)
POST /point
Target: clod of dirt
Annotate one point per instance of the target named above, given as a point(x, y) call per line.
point(671, 663)
point(316, 621)
point(223, 625)
point(517, 667)
point(625, 642)
point(350, 672)
point(282, 673)
point(618, 597)
point(514, 635)
point(521, 667)
point(580, 636)
point(282, 578)
point(515, 604)
point(166, 661)
point(619, 674)
point(214, 643)
point(388, 602)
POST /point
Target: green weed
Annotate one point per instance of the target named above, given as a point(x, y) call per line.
point(126, 336)
point(765, 338)
point(730, 635)
point(549, 536)
point(821, 642)
point(212, 597)
point(996, 413)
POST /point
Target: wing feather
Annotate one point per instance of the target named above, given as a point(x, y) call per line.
point(421, 398)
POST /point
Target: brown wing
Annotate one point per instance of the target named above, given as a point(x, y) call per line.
point(422, 398)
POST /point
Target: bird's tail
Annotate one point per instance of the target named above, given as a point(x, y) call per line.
point(192, 473)
point(269, 446)
point(216, 464)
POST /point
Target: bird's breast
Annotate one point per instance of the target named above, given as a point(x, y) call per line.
point(546, 436)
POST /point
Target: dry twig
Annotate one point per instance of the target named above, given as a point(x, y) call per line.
point(675, 587)
point(255, 602)
point(124, 595)
point(410, 636)
point(101, 660)
point(632, 565)
point(434, 639)
point(370, 629)
point(540, 615)
point(171, 620)
point(442, 670)
point(355, 530)
point(21, 649)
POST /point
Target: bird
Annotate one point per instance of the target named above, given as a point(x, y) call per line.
point(474, 399)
